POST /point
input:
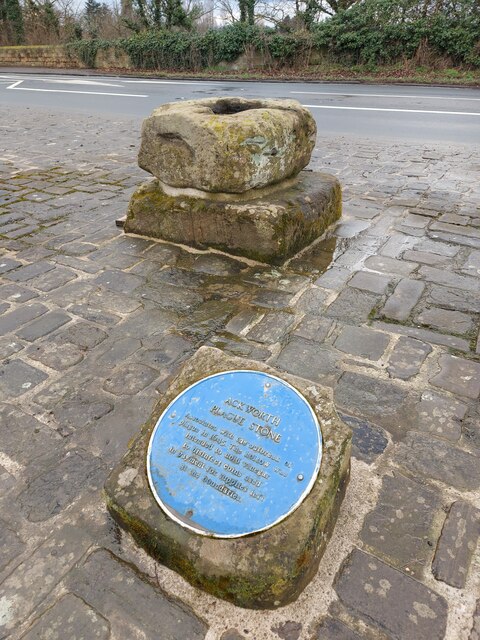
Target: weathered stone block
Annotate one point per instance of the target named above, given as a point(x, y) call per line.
point(440, 415)
point(459, 376)
point(268, 225)
point(402, 526)
point(309, 359)
point(362, 342)
point(133, 607)
point(18, 377)
point(390, 600)
point(368, 440)
point(457, 544)
point(70, 617)
point(407, 357)
point(445, 320)
point(227, 145)
point(424, 455)
point(32, 580)
point(263, 570)
point(400, 304)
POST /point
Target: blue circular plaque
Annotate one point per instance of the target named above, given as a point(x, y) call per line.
point(234, 454)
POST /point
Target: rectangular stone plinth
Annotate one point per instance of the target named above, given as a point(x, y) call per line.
point(270, 227)
point(266, 569)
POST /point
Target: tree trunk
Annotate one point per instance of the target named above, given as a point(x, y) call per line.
point(251, 12)
point(243, 10)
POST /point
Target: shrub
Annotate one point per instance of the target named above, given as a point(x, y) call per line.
point(370, 32)
point(382, 31)
point(86, 50)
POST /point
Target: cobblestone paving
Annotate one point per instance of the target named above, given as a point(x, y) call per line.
point(93, 324)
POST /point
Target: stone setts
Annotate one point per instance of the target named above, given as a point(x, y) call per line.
point(263, 570)
point(228, 175)
point(74, 393)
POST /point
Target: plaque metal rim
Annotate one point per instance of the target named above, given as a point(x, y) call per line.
point(301, 498)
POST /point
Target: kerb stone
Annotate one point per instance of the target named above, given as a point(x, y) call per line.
point(266, 569)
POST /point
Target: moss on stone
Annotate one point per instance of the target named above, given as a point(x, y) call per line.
point(227, 144)
point(270, 228)
point(263, 570)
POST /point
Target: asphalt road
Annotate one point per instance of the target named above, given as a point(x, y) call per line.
point(420, 114)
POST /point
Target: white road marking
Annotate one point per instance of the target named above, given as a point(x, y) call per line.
point(89, 82)
point(442, 113)
point(204, 83)
point(60, 81)
point(348, 94)
point(72, 80)
point(91, 93)
point(19, 77)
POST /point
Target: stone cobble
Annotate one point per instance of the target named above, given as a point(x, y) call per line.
point(94, 324)
point(456, 544)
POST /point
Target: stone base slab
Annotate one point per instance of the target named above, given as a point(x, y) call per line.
point(270, 227)
point(263, 570)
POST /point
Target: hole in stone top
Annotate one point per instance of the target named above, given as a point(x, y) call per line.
point(230, 106)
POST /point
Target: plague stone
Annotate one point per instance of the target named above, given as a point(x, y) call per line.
point(232, 483)
point(234, 454)
point(227, 175)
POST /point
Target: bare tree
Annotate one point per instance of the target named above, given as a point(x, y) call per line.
point(228, 9)
point(275, 12)
point(67, 10)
